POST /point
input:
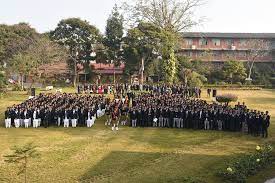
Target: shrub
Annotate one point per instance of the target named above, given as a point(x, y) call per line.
point(239, 169)
point(239, 84)
point(222, 83)
point(227, 98)
point(16, 87)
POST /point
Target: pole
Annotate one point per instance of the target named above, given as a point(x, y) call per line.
point(114, 76)
point(142, 70)
point(75, 72)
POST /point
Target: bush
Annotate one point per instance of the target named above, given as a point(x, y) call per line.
point(222, 83)
point(16, 87)
point(227, 98)
point(238, 170)
point(239, 84)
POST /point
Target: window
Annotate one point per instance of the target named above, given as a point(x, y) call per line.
point(203, 42)
point(216, 42)
point(216, 54)
point(189, 41)
point(243, 42)
point(229, 42)
point(242, 54)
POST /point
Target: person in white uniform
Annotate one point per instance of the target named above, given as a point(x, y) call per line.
point(8, 118)
point(26, 119)
point(35, 119)
point(66, 119)
point(89, 120)
point(74, 117)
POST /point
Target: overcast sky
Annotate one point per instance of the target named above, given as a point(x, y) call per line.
point(220, 15)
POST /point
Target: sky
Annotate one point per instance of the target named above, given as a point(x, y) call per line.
point(218, 15)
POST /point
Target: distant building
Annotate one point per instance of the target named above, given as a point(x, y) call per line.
point(221, 46)
point(107, 69)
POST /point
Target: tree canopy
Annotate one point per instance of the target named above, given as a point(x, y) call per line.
point(80, 38)
point(114, 36)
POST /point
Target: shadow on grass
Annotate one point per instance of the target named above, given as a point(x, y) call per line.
point(121, 166)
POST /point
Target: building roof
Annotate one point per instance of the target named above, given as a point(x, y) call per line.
point(228, 35)
point(101, 66)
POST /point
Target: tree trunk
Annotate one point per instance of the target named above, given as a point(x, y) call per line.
point(75, 73)
point(22, 82)
point(250, 70)
point(29, 90)
point(142, 71)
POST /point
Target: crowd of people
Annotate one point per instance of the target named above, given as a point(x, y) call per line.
point(126, 88)
point(56, 109)
point(178, 111)
point(160, 106)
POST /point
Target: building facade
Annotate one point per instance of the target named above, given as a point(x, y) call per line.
point(221, 47)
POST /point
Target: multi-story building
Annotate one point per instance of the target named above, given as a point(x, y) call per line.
point(221, 47)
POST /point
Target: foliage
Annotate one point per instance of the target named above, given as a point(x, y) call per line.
point(113, 36)
point(155, 68)
point(14, 39)
point(80, 38)
point(256, 48)
point(142, 41)
point(21, 156)
point(3, 81)
point(188, 72)
point(227, 98)
point(238, 170)
point(196, 80)
point(168, 44)
point(234, 71)
point(262, 72)
point(170, 15)
point(42, 52)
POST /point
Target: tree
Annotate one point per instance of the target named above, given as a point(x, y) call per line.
point(256, 48)
point(29, 61)
point(234, 71)
point(21, 156)
point(15, 39)
point(80, 38)
point(192, 73)
point(2, 81)
point(227, 98)
point(114, 35)
point(142, 42)
point(171, 15)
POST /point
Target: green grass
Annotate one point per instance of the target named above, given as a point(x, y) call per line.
point(132, 155)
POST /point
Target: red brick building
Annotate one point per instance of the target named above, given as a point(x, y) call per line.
point(220, 47)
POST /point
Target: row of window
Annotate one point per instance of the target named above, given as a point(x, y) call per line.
point(215, 54)
point(216, 42)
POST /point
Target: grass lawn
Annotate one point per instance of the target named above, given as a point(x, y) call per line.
point(132, 155)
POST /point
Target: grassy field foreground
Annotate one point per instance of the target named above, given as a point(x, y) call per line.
point(132, 155)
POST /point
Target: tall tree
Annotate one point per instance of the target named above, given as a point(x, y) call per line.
point(114, 35)
point(14, 39)
point(171, 15)
point(142, 42)
point(80, 38)
point(28, 62)
point(256, 48)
